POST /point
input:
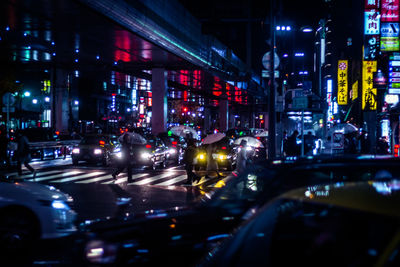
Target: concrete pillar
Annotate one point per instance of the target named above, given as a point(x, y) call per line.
point(223, 114)
point(159, 109)
point(207, 119)
point(60, 101)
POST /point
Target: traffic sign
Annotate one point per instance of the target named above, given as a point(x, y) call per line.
point(300, 102)
point(266, 73)
point(266, 61)
point(8, 99)
point(10, 109)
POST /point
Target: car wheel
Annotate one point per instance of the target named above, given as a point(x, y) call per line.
point(75, 162)
point(19, 230)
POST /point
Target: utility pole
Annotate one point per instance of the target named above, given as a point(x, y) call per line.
point(271, 104)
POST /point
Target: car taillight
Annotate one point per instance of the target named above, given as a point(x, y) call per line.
point(396, 150)
point(174, 143)
point(224, 147)
point(148, 146)
point(102, 143)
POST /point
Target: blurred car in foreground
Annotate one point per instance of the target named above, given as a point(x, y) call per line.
point(340, 224)
point(96, 148)
point(32, 211)
point(182, 235)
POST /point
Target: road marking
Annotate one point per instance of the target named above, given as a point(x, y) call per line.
point(78, 177)
point(173, 181)
point(152, 179)
point(57, 176)
point(29, 174)
point(108, 176)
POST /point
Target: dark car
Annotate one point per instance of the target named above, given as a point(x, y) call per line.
point(341, 224)
point(42, 142)
point(96, 148)
point(225, 153)
point(152, 153)
point(181, 236)
point(176, 146)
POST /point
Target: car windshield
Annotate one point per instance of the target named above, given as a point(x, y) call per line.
point(92, 140)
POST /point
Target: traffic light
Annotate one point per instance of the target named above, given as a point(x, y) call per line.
point(185, 109)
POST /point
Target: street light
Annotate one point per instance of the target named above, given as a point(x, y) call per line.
point(34, 101)
point(27, 94)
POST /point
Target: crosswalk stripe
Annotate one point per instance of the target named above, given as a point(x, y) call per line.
point(152, 179)
point(173, 181)
point(108, 176)
point(29, 174)
point(57, 176)
point(121, 180)
point(88, 175)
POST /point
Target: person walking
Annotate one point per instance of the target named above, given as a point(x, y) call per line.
point(241, 160)
point(293, 149)
point(126, 150)
point(189, 156)
point(212, 164)
point(23, 154)
point(4, 141)
point(363, 142)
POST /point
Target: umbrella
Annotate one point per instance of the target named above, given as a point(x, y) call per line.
point(133, 138)
point(345, 128)
point(251, 141)
point(212, 138)
point(184, 131)
point(262, 134)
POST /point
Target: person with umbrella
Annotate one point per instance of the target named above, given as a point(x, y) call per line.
point(212, 164)
point(126, 141)
point(241, 160)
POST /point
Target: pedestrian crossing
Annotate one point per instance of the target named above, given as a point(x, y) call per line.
point(168, 177)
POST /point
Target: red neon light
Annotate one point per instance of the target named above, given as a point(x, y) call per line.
point(148, 146)
point(396, 150)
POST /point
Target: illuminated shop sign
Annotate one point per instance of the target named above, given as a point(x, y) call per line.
point(371, 46)
point(372, 22)
point(390, 10)
point(368, 92)
point(394, 76)
point(390, 36)
point(372, 4)
point(354, 90)
point(342, 82)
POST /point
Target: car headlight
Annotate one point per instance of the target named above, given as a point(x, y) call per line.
point(248, 148)
point(76, 151)
point(98, 151)
point(172, 151)
point(59, 205)
point(145, 155)
point(201, 156)
point(221, 156)
point(119, 155)
point(100, 252)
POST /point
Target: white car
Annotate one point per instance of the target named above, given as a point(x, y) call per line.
point(32, 211)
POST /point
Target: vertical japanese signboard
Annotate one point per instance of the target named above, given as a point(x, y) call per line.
point(368, 93)
point(354, 91)
point(371, 29)
point(342, 82)
point(390, 26)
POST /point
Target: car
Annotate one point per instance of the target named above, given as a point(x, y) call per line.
point(95, 148)
point(31, 211)
point(336, 224)
point(176, 146)
point(225, 153)
point(182, 235)
point(151, 154)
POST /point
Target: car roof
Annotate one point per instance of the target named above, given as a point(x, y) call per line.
point(380, 197)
